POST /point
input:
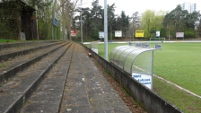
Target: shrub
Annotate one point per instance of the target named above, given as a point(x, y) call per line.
point(189, 33)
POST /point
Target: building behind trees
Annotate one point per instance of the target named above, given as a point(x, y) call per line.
point(17, 20)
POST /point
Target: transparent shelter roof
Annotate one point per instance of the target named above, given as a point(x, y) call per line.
point(133, 59)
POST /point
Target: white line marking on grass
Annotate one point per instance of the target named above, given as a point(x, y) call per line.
point(181, 88)
point(178, 86)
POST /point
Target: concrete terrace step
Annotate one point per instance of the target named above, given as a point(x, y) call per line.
point(22, 44)
point(47, 98)
point(7, 53)
point(19, 88)
point(10, 72)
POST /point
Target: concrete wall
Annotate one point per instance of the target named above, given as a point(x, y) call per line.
point(149, 100)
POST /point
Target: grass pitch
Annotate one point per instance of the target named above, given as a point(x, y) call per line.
point(7, 40)
point(179, 63)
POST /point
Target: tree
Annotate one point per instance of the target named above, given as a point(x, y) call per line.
point(86, 16)
point(135, 24)
point(152, 22)
point(111, 18)
point(179, 20)
point(125, 23)
point(92, 19)
point(122, 23)
point(96, 19)
point(189, 21)
point(199, 29)
point(191, 18)
point(147, 22)
point(43, 16)
point(158, 24)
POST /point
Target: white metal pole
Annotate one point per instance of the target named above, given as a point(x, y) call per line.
point(81, 24)
point(152, 69)
point(105, 30)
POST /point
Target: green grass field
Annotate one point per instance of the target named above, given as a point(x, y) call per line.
point(179, 63)
point(6, 40)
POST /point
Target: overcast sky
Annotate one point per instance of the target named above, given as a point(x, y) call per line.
point(131, 6)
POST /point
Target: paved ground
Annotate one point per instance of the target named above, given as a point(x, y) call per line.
point(87, 91)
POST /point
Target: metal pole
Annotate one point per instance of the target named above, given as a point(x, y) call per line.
point(36, 12)
point(81, 24)
point(52, 32)
point(152, 69)
point(53, 16)
point(63, 21)
point(105, 30)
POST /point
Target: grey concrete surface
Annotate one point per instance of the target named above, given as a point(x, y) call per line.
point(148, 99)
point(87, 91)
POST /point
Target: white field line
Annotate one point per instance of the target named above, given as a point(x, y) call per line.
point(178, 86)
point(181, 88)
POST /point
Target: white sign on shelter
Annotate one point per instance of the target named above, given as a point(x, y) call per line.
point(143, 79)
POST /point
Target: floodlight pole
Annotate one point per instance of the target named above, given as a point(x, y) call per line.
point(105, 30)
